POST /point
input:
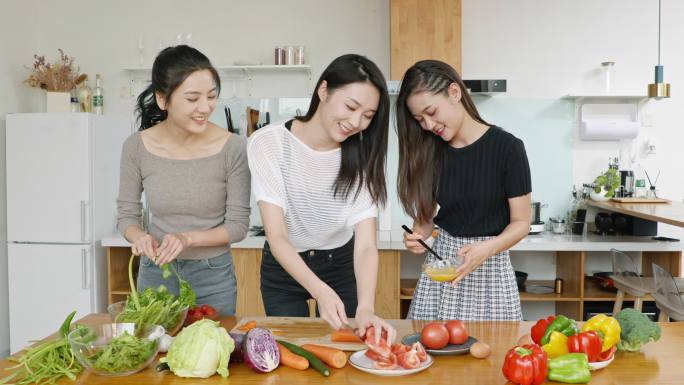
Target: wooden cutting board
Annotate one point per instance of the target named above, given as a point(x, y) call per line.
point(300, 330)
point(641, 200)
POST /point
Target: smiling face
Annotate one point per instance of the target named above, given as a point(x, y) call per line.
point(438, 113)
point(191, 104)
point(347, 110)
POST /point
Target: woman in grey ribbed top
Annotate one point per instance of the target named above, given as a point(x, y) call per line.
point(195, 177)
point(186, 195)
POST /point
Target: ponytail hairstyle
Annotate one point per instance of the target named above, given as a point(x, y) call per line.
point(363, 158)
point(171, 67)
point(421, 152)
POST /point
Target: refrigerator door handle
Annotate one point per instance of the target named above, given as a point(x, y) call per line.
point(84, 269)
point(85, 205)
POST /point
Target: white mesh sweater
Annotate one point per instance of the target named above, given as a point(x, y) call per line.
point(288, 173)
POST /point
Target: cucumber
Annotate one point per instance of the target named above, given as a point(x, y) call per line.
point(313, 360)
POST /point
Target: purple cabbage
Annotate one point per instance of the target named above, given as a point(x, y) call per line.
point(239, 339)
point(260, 350)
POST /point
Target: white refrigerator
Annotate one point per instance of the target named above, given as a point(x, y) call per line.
point(62, 184)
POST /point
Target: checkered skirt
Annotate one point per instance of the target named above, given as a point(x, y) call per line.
point(487, 293)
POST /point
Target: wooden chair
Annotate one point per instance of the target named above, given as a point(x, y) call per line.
point(667, 296)
point(627, 280)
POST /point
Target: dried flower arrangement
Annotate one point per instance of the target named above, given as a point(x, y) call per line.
point(60, 76)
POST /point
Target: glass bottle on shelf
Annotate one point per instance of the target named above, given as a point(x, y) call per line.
point(85, 96)
point(75, 107)
point(577, 213)
point(98, 96)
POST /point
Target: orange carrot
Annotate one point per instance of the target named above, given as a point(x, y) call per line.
point(345, 335)
point(292, 360)
point(331, 356)
point(247, 326)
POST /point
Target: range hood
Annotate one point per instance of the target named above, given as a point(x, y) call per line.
point(485, 86)
point(480, 86)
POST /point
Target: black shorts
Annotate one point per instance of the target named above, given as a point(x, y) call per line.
point(283, 296)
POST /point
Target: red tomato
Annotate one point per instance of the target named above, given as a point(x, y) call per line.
point(383, 363)
point(422, 354)
point(458, 334)
point(409, 360)
point(434, 336)
point(209, 311)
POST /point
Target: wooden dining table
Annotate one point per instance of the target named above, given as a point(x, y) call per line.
point(658, 363)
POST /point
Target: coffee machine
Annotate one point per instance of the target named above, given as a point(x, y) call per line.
point(536, 225)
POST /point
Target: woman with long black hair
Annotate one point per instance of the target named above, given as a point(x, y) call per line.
point(318, 180)
point(479, 176)
point(195, 177)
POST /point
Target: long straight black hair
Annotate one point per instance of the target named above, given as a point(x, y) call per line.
point(171, 67)
point(421, 152)
point(363, 160)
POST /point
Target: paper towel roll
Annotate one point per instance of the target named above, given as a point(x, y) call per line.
point(608, 129)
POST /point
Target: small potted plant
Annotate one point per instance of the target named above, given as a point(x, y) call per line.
point(57, 78)
point(605, 185)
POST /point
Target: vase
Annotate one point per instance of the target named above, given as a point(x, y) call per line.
point(58, 102)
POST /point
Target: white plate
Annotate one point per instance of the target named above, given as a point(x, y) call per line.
point(600, 365)
point(363, 363)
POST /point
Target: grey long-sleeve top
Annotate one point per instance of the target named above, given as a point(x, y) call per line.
point(186, 195)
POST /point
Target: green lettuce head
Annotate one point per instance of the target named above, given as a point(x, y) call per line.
point(200, 350)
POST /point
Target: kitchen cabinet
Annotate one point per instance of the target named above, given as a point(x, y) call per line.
point(247, 264)
point(577, 291)
point(571, 252)
point(422, 30)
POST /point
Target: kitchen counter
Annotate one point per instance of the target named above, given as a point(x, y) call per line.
point(546, 241)
point(670, 213)
point(656, 364)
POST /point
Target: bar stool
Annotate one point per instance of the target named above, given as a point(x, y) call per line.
point(627, 280)
point(667, 296)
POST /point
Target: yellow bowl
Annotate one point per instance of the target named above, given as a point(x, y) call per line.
point(443, 270)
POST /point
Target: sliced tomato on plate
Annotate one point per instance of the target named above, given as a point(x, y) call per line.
point(400, 348)
point(382, 348)
point(386, 363)
point(420, 350)
point(409, 360)
point(607, 355)
point(372, 355)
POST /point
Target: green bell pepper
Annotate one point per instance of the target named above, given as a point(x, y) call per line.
point(571, 368)
point(561, 324)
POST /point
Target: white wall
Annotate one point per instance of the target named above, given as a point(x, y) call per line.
point(549, 49)
point(17, 38)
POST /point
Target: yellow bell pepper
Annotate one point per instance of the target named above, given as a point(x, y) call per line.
point(557, 345)
point(608, 327)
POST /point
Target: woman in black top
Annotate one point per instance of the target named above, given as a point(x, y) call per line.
point(479, 177)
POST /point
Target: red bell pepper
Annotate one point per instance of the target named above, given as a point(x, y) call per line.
point(526, 365)
point(539, 329)
point(586, 342)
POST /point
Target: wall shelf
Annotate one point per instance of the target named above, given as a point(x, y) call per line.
point(593, 125)
point(605, 97)
point(140, 76)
